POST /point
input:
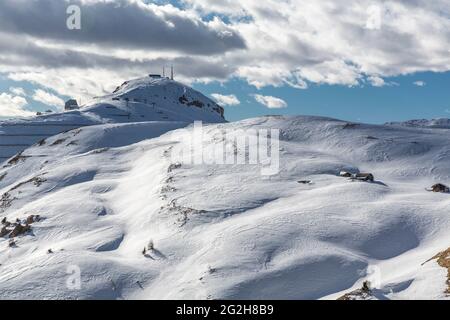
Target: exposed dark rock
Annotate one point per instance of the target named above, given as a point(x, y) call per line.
point(19, 229)
point(6, 200)
point(350, 125)
point(4, 231)
point(32, 218)
point(173, 166)
point(196, 103)
point(183, 99)
point(18, 157)
point(364, 293)
point(59, 141)
point(37, 181)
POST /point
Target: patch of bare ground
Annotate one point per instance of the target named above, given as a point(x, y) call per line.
point(76, 131)
point(16, 159)
point(17, 228)
point(59, 141)
point(359, 294)
point(172, 207)
point(182, 213)
point(6, 198)
point(5, 201)
point(350, 125)
point(37, 181)
point(2, 176)
point(101, 150)
point(173, 166)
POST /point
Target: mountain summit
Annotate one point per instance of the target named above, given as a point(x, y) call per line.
point(160, 98)
point(151, 98)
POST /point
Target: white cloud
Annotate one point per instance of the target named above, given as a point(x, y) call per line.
point(331, 72)
point(75, 82)
point(420, 83)
point(297, 44)
point(18, 91)
point(376, 81)
point(12, 106)
point(270, 102)
point(335, 43)
point(226, 100)
point(47, 98)
point(134, 24)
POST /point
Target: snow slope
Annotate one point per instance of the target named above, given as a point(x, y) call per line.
point(144, 99)
point(226, 231)
point(441, 123)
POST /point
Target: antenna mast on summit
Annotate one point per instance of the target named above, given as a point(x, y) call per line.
point(164, 71)
point(171, 72)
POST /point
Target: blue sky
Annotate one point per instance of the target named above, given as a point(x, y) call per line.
point(29, 88)
point(356, 61)
point(403, 100)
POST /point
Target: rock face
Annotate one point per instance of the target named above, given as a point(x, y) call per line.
point(139, 100)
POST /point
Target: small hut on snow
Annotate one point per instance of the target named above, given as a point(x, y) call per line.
point(71, 104)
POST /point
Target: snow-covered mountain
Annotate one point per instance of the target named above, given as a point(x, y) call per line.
point(98, 195)
point(151, 98)
point(440, 123)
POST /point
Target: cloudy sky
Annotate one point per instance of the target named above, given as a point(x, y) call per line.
point(364, 60)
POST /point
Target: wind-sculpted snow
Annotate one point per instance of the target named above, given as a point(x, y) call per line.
point(115, 206)
point(441, 123)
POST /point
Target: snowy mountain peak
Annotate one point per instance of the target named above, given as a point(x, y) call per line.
point(150, 98)
point(156, 90)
